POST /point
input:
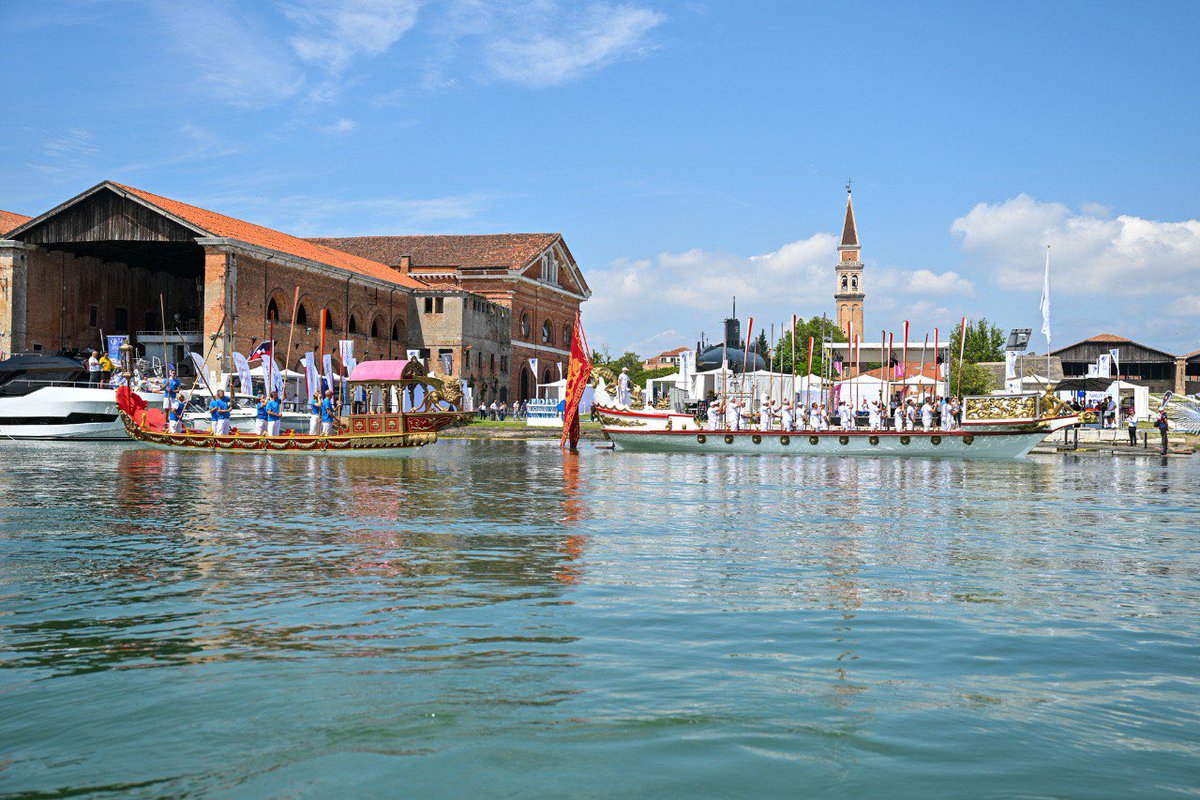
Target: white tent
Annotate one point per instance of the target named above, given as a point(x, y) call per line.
point(863, 387)
point(1140, 394)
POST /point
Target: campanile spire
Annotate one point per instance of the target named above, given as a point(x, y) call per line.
point(849, 292)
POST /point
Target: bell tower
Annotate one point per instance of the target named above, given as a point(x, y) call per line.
point(849, 291)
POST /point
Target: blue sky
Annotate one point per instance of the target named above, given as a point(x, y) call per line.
point(688, 151)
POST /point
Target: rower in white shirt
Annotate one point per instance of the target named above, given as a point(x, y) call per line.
point(947, 415)
point(785, 416)
point(873, 414)
point(926, 415)
point(714, 414)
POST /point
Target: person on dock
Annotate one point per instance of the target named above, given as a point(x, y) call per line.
point(314, 415)
point(274, 414)
point(328, 412)
point(219, 409)
point(1131, 422)
point(260, 416)
point(1163, 426)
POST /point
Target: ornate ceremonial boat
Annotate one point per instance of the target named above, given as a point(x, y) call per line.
point(637, 416)
point(406, 407)
point(997, 427)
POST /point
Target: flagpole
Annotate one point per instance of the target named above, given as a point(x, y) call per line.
point(904, 365)
point(924, 347)
point(162, 311)
point(269, 363)
point(936, 352)
point(321, 355)
point(291, 330)
point(1046, 312)
point(745, 357)
point(891, 372)
point(793, 398)
point(962, 349)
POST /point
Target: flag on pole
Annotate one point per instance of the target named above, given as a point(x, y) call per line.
point(242, 365)
point(579, 369)
point(311, 376)
point(533, 365)
point(201, 372)
point(1046, 301)
point(264, 350)
point(1115, 354)
point(327, 364)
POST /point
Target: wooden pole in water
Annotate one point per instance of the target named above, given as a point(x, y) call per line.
point(962, 349)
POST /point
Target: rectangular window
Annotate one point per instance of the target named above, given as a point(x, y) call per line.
point(425, 355)
point(94, 316)
point(493, 364)
point(428, 305)
point(151, 321)
point(437, 305)
point(121, 320)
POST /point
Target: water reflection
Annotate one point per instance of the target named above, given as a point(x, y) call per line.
point(773, 609)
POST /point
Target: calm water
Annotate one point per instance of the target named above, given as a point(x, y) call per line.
point(481, 622)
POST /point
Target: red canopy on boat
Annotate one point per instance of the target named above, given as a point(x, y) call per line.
point(386, 371)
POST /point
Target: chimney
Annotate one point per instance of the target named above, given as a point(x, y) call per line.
point(405, 265)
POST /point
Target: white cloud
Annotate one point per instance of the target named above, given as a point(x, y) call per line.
point(341, 127)
point(1091, 253)
point(1185, 306)
point(548, 47)
point(918, 282)
point(238, 60)
point(335, 32)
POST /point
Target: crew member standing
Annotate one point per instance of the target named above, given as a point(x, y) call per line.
point(327, 413)
point(93, 368)
point(172, 390)
point(624, 395)
point(175, 416)
point(260, 416)
point(220, 414)
point(314, 415)
point(274, 414)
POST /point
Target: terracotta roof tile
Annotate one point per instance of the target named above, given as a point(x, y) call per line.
point(9, 221)
point(229, 227)
point(508, 250)
point(1106, 337)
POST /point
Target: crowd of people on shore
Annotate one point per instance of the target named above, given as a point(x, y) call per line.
point(926, 413)
point(498, 412)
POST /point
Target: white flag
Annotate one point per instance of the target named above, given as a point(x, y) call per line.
point(327, 365)
point(533, 364)
point(276, 377)
point(346, 351)
point(560, 372)
point(1104, 366)
point(1093, 371)
point(1010, 365)
point(312, 377)
point(243, 370)
point(201, 373)
point(1116, 360)
point(1046, 301)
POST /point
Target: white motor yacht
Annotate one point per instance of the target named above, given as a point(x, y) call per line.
point(49, 397)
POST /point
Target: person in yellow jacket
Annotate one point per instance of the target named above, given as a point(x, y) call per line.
point(106, 368)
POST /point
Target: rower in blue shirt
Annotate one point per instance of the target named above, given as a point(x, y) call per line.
point(327, 413)
point(175, 416)
point(314, 415)
point(220, 413)
point(260, 416)
point(172, 390)
point(274, 414)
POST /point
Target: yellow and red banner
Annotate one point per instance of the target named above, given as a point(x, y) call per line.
point(578, 373)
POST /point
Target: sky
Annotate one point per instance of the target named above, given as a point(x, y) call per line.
point(687, 151)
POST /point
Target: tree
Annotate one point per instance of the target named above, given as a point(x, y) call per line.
point(975, 379)
point(815, 327)
point(985, 342)
point(762, 346)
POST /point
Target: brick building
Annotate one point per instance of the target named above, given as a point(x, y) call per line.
point(849, 291)
point(532, 275)
point(98, 264)
point(1137, 362)
point(667, 358)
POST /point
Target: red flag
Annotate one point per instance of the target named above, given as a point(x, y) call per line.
point(578, 372)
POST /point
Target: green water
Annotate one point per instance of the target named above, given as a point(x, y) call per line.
point(480, 621)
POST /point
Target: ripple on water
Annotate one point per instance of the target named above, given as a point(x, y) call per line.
point(493, 618)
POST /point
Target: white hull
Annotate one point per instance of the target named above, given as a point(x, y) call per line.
point(64, 413)
point(648, 419)
point(990, 444)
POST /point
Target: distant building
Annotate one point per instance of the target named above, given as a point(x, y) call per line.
point(112, 259)
point(669, 358)
point(1136, 362)
point(849, 292)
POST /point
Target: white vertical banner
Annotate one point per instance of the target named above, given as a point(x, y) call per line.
point(1115, 355)
point(1010, 364)
point(346, 351)
point(327, 365)
point(276, 377)
point(201, 373)
point(311, 376)
point(560, 372)
point(447, 360)
point(1104, 366)
point(243, 370)
point(1093, 371)
point(533, 364)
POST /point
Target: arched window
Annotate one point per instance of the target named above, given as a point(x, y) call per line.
point(399, 334)
point(353, 324)
point(545, 376)
point(843, 283)
point(302, 315)
point(547, 333)
point(273, 310)
point(854, 282)
point(524, 325)
point(566, 340)
point(328, 321)
point(375, 329)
